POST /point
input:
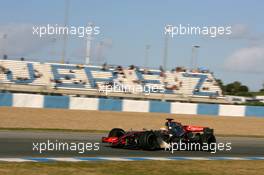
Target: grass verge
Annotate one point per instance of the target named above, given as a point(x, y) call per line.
point(136, 168)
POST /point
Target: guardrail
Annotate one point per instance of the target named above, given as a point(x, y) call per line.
point(126, 105)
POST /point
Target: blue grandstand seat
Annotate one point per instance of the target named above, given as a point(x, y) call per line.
point(67, 76)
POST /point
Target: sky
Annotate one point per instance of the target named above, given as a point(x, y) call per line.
point(126, 27)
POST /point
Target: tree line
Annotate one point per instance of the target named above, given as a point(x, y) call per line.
point(238, 89)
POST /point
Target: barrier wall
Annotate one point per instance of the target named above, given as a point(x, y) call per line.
point(66, 102)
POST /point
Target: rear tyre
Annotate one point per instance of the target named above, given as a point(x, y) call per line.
point(148, 141)
point(210, 140)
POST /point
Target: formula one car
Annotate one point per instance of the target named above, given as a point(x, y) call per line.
point(156, 139)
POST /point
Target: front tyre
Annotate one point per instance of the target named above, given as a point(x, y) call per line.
point(148, 141)
point(116, 132)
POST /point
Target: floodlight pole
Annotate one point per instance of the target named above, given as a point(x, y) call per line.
point(88, 46)
point(4, 37)
point(194, 56)
point(65, 37)
point(147, 47)
point(165, 56)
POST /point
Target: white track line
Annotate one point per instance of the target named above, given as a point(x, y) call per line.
point(16, 160)
point(66, 159)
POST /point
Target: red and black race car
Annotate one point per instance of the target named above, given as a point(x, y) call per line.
point(155, 139)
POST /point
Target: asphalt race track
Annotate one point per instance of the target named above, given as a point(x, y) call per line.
point(20, 144)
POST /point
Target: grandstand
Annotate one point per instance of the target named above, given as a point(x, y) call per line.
point(90, 81)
